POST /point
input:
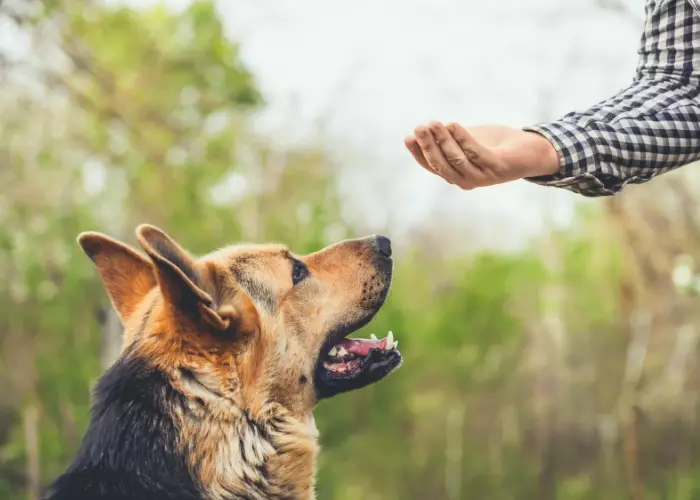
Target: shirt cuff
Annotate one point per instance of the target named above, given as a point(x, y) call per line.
point(578, 161)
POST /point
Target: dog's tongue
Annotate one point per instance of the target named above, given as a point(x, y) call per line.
point(361, 347)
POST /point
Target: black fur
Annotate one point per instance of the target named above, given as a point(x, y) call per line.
point(130, 449)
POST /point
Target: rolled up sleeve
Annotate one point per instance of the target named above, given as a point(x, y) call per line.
point(649, 128)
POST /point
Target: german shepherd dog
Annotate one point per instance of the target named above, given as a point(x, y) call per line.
point(223, 360)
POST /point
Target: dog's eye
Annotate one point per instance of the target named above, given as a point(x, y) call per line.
point(299, 272)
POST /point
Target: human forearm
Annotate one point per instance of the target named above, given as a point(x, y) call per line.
point(528, 153)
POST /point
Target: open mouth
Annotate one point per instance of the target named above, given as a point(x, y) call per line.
point(354, 363)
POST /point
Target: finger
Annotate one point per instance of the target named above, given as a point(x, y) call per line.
point(433, 154)
point(456, 157)
point(476, 154)
point(412, 145)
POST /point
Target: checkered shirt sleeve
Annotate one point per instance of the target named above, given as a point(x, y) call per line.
point(650, 127)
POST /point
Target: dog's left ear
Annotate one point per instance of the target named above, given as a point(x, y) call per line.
point(127, 275)
point(182, 283)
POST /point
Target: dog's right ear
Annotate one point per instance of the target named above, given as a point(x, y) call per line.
point(126, 274)
point(183, 286)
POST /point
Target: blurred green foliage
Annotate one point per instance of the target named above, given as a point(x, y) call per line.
point(145, 116)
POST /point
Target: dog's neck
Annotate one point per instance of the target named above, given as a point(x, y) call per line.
point(234, 451)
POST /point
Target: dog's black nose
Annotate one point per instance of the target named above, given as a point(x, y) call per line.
point(383, 245)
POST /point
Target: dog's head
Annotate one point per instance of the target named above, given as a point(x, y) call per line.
point(252, 324)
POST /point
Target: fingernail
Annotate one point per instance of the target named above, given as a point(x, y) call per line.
point(420, 132)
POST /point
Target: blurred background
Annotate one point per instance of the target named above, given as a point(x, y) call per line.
point(550, 341)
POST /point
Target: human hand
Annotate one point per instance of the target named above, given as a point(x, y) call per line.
point(481, 156)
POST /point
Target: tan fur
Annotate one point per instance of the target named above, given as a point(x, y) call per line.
point(243, 362)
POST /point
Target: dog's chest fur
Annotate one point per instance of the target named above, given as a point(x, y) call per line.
point(253, 459)
point(143, 443)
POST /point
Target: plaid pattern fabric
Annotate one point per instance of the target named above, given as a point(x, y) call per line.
point(650, 127)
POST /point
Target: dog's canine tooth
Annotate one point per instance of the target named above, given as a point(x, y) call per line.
point(333, 351)
point(373, 336)
point(389, 342)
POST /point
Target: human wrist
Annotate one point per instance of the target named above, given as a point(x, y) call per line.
point(545, 158)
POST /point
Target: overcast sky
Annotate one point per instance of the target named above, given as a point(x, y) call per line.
point(361, 74)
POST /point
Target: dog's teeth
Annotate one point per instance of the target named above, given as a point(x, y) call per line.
point(389, 342)
point(373, 337)
point(333, 351)
point(342, 352)
point(396, 344)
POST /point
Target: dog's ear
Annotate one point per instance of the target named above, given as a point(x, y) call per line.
point(127, 275)
point(176, 270)
point(181, 284)
point(240, 319)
